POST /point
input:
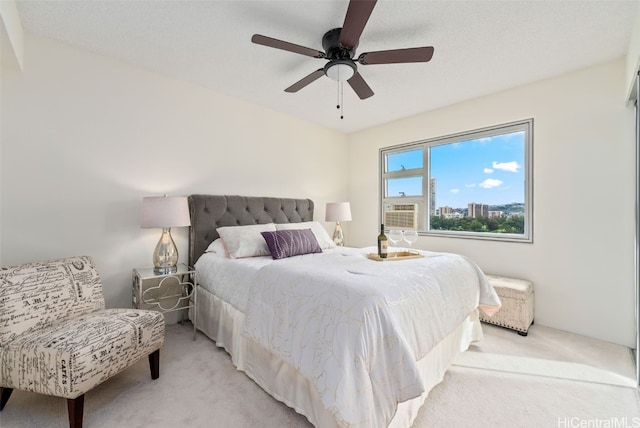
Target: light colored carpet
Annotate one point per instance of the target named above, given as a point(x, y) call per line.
point(548, 379)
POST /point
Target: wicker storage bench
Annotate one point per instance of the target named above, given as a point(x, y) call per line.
point(517, 300)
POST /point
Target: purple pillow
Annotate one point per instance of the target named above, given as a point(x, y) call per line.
point(294, 242)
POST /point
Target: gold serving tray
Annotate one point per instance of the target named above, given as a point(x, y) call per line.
point(395, 256)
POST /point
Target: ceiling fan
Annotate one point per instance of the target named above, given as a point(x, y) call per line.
point(339, 49)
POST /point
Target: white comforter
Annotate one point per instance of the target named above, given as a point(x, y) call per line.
point(356, 327)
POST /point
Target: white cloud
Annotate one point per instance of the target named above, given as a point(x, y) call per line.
point(455, 190)
point(482, 140)
point(490, 183)
point(506, 166)
point(488, 170)
point(470, 185)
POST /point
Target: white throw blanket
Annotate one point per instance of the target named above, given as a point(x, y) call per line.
point(356, 327)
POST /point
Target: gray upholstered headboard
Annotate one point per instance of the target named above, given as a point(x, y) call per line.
point(211, 211)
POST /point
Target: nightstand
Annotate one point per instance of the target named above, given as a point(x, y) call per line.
point(166, 292)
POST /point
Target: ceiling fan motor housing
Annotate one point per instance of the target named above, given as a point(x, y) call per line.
point(340, 66)
point(332, 47)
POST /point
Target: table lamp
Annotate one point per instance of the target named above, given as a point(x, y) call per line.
point(338, 211)
point(165, 212)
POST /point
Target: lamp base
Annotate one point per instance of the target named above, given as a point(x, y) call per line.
point(338, 237)
point(165, 257)
point(165, 270)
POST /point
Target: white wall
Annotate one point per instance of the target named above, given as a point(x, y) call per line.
point(581, 260)
point(85, 138)
point(1, 262)
point(633, 57)
point(1, 68)
point(11, 55)
point(11, 34)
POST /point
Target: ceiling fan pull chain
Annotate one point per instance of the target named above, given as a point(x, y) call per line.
point(341, 100)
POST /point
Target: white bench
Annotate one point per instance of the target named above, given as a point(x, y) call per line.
point(517, 309)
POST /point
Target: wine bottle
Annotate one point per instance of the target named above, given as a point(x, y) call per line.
point(382, 243)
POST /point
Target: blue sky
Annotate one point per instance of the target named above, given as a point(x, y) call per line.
point(485, 170)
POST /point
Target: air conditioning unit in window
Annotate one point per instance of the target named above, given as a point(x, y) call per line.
point(403, 216)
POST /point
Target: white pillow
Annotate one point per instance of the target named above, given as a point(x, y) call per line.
point(216, 247)
point(245, 241)
point(322, 236)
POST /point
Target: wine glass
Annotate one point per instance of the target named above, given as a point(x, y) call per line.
point(395, 236)
point(410, 236)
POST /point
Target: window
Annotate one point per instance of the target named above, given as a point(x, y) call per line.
point(475, 184)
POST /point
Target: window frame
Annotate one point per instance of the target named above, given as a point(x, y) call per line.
point(425, 199)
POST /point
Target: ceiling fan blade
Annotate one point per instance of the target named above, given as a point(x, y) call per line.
point(357, 16)
point(360, 86)
point(286, 46)
point(305, 81)
point(396, 56)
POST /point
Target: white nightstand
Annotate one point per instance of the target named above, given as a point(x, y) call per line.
point(166, 292)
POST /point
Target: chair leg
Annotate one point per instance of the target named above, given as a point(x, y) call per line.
point(154, 364)
point(5, 393)
point(75, 407)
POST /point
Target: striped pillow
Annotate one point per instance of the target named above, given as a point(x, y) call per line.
point(293, 242)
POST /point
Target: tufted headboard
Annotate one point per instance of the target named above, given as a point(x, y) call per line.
point(211, 211)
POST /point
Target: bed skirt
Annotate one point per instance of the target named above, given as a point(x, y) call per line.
point(223, 323)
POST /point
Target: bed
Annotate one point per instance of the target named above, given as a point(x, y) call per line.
point(341, 339)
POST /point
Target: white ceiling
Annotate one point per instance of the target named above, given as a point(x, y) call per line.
point(480, 47)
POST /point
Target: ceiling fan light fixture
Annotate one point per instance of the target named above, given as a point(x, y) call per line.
point(340, 70)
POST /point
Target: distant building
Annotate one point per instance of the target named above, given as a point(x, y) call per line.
point(446, 212)
point(478, 210)
point(496, 214)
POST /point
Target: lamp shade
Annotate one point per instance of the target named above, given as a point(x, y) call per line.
point(165, 211)
point(338, 211)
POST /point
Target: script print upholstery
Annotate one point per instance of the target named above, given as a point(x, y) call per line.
point(36, 295)
point(56, 337)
